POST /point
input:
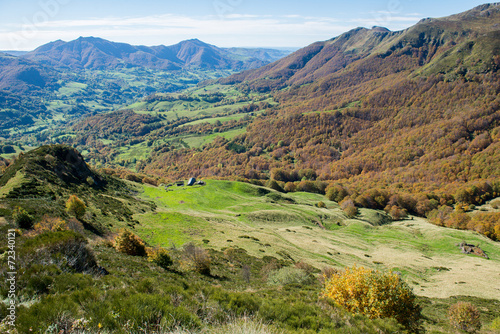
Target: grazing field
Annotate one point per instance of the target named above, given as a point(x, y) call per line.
point(265, 222)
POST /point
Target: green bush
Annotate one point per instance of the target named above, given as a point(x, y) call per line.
point(336, 193)
point(495, 324)
point(149, 313)
point(38, 284)
point(274, 185)
point(44, 316)
point(22, 218)
point(67, 250)
point(293, 314)
point(321, 204)
point(3, 311)
point(160, 256)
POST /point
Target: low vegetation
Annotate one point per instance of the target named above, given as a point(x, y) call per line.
point(374, 294)
point(129, 243)
point(465, 317)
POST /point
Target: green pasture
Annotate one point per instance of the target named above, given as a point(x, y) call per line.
point(264, 222)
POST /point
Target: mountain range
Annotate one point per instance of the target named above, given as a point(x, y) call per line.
point(27, 71)
point(35, 83)
point(98, 53)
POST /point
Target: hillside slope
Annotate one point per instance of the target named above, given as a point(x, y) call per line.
point(42, 180)
point(432, 43)
point(268, 223)
point(18, 75)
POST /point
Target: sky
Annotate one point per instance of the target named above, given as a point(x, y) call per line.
point(27, 24)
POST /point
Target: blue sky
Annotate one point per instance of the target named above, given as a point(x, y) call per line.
point(27, 24)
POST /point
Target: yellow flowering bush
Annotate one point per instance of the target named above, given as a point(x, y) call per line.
point(374, 294)
point(53, 224)
point(75, 206)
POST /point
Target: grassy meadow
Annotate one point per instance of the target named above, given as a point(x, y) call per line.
point(264, 222)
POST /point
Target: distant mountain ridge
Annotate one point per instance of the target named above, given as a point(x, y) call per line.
point(19, 75)
point(98, 53)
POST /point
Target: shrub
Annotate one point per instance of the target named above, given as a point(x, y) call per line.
point(321, 204)
point(7, 149)
point(75, 206)
point(75, 225)
point(160, 256)
point(128, 243)
point(246, 273)
point(198, 258)
point(149, 180)
point(67, 250)
point(464, 316)
point(495, 324)
point(305, 266)
point(271, 266)
point(349, 207)
point(274, 185)
point(396, 212)
point(290, 187)
point(50, 224)
point(22, 218)
point(374, 294)
point(336, 193)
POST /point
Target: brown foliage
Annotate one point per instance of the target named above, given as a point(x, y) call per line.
point(464, 316)
point(349, 207)
point(129, 243)
point(198, 258)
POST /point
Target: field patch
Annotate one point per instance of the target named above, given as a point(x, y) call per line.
point(166, 229)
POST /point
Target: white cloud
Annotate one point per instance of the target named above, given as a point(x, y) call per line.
point(232, 30)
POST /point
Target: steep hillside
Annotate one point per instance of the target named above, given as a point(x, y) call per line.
point(42, 180)
point(432, 44)
point(223, 257)
point(18, 75)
